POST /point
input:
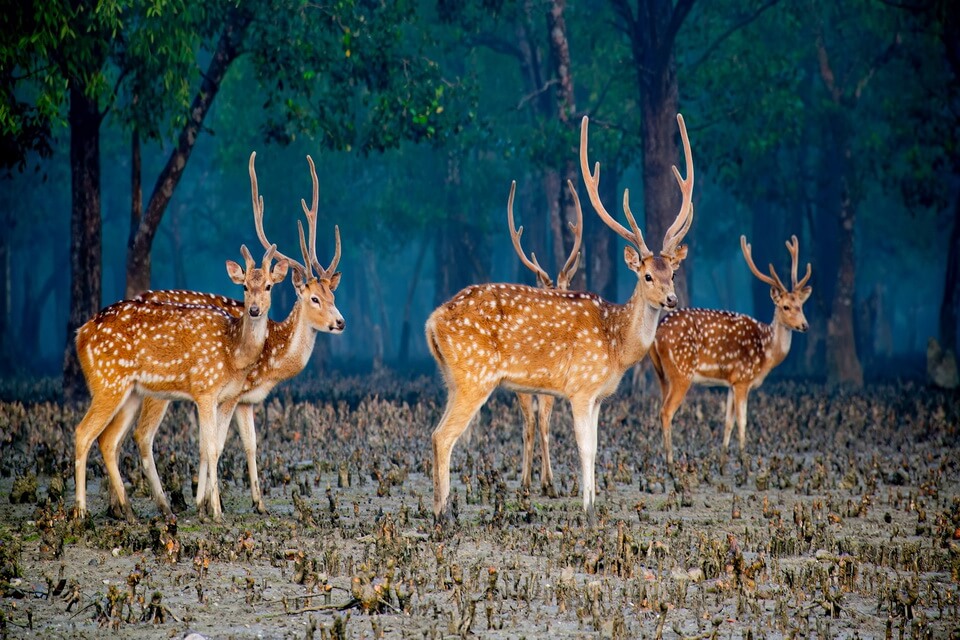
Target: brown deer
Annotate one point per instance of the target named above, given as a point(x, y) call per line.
point(544, 403)
point(572, 345)
point(199, 352)
point(711, 347)
point(286, 352)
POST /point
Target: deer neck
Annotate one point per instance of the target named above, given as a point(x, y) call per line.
point(780, 337)
point(295, 342)
point(634, 329)
point(250, 341)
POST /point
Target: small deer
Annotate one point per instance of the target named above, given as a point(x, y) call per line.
point(545, 341)
point(133, 349)
point(711, 347)
point(285, 354)
point(544, 403)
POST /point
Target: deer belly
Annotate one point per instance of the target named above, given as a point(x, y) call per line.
point(157, 389)
point(706, 380)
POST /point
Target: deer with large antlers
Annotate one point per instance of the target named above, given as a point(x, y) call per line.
point(545, 341)
point(537, 409)
point(134, 349)
point(711, 347)
point(285, 354)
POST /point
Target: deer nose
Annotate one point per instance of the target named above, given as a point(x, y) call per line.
point(254, 311)
point(671, 301)
point(340, 324)
point(804, 327)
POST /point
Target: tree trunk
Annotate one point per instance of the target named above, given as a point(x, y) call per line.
point(5, 288)
point(566, 110)
point(950, 301)
point(652, 32)
point(85, 233)
point(404, 355)
point(843, 366)
point(138, 252)
point(600, 260)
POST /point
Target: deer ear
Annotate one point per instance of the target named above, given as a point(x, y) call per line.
point(775, 294)
point(280, 271)
point(632, 258)
point(679, 256)
point(298, 282)
point(235, 271)
point(334, 281)
point(805, 293)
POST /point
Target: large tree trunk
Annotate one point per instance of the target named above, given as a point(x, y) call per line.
point(85, 234)
point(138, 251)
point(600, 260)
point(652, 33)
point(950, 301)
point(5, 279)
point(843, 366)
point(566, 110)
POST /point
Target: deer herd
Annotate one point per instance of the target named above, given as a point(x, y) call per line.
point(541, 342)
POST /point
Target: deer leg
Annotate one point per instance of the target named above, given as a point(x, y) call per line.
point(585, 416)
point(673, 392)
point(525, 400)
point(461, 407)
point(103, 407)
point(109, 442)
point(741, 401)
point(728, 419)
point(208, 494)
point(248, 435)
point(151, 416)
point(546, 471)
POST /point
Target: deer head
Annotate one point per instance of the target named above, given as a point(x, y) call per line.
point(788, 304)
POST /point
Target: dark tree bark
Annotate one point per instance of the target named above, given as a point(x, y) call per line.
point(138, 251)
point(5, 289)
point(951, 299)
point(569, 170)
point(404, 355)
point(652, 31)
point(85, 233)
point(843, 365)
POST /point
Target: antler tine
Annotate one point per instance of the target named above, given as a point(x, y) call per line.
point(247, 257)
point(308, 272)
point(311, 215)
point(592, 181)
point(258, 218)
point(680, 226)
point(329, 271)
point(268, 256)
point(793, 246)
point(573, 261)
point(745, 247)
point(515, 237)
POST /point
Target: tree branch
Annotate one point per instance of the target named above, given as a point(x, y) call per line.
point(736, 26)
point(882, 59)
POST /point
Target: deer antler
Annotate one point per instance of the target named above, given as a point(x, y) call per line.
point(793, 246)
point(311, 215)
point(774, 281)
point(573, 260)
point(592, 180)
point(258, 221)
point(680, 226)
point(515, 234)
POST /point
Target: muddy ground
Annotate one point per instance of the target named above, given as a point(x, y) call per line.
point(842, 522)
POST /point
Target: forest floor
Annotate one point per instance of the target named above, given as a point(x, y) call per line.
point(843, 521)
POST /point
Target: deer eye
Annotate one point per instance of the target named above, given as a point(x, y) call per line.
point(268, 287)
point(786, 307)
point(648, 278)
point(315, 299)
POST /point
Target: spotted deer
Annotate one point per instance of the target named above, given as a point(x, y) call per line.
point(709, 347)
point(135, 349)
point(537, 409)
point(545, 341)
point(285, 354)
